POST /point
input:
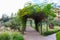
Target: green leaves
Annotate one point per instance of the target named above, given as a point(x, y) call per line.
point(11, 36)
point(30, 8)
point(47, 9)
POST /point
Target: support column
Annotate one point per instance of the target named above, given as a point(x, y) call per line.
point(31, 23)
point(41, 28)
point(36, 26)
point(23, 25)
point(47, 22)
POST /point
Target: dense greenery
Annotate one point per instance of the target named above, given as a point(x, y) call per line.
point(37, 12)
point(50, 32)
point(58, 36)
point(56, 23)
point(5, 18)
point(35, 8)
point(13, 24)
point(11, 36)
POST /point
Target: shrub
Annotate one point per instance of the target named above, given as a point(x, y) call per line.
point(12, 24)
point(5, 36)
point(58, 36)
point(50, 32)
point(11, 36)
point(17, 36)
point(7, 24)
point(56, 23)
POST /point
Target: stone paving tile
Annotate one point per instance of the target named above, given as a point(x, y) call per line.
point(31, 34)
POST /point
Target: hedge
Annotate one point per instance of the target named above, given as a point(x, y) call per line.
point(11, 36)
point(58, 36)
point(50, 32)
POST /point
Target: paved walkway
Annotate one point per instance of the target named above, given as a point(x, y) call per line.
point(31, 34)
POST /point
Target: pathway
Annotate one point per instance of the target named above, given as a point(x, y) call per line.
point(31, 34)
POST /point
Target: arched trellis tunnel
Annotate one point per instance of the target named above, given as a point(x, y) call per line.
point(35, 12)
point(37, 19)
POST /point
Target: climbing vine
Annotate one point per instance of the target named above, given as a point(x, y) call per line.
point(36, 12)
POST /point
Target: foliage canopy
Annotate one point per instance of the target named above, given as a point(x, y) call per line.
point(30, 9)
point(38, 12)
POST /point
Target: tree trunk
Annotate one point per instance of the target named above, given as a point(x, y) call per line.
point(36, 26)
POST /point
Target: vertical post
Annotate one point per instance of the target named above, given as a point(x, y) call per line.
point(41, 27)
point(46, 26)
point(31, 23)
point(47, 22)
point(23, 25)
point(36, 26)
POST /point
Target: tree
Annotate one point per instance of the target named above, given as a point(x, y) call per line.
point(5, 18)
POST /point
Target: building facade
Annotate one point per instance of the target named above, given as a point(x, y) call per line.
point(57, 13)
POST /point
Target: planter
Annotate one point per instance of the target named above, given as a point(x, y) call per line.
point(51, 26)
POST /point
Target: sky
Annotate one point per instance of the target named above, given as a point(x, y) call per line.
point(11, 6)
